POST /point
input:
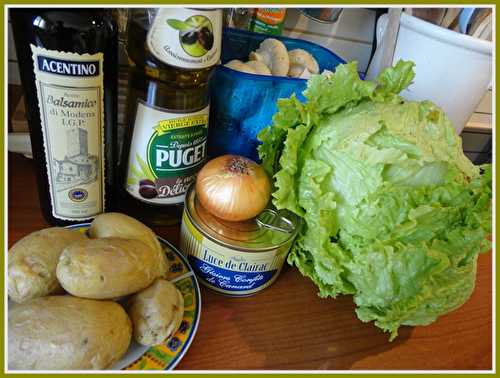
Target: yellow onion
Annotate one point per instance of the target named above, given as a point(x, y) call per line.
point(233, 188)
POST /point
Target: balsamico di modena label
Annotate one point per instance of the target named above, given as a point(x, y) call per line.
point(70, 98)
point(166, 152)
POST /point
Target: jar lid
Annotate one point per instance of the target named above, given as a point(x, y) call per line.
point(268, 230)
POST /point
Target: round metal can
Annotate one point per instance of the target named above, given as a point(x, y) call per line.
point(236, 258)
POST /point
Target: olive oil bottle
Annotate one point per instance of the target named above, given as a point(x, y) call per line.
point(68, 65)
point(172, 53)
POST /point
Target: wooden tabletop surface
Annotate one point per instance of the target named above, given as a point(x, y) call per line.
point(287, 326)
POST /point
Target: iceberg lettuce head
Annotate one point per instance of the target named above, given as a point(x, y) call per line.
point(394, 212)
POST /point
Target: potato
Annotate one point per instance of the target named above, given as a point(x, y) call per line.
point(156, 312)
point(64, 332)
point(33, 261)
point(122, 226)
point(107, 268)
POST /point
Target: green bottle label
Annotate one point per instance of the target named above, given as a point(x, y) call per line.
point(166, 152)
point(268, 20)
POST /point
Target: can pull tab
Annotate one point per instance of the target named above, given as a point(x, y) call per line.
point(273, 220)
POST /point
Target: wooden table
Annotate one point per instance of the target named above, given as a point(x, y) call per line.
point(289, 327)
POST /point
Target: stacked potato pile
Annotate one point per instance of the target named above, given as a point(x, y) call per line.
point(66, 284)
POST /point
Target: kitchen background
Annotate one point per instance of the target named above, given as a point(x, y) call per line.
point(352, 37)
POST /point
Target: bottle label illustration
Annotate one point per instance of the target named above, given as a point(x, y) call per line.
point(187, 38)
point(166, 152)
point(70, 98)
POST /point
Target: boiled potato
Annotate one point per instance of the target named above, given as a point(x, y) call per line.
point(122, 226)
point(33, 260)
point(107, 268)
point(156, 312)
point(64, 332)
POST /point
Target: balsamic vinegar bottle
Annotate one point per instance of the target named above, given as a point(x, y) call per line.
point(68, 65)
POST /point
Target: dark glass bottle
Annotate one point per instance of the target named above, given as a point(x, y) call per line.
point(167, 108)
point(68, 65)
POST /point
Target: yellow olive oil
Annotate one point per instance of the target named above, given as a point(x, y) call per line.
point(172, 52)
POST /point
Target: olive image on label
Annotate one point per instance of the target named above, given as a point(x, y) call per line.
point(195, 34)
point(166, 152)
point(185, 38)
point(147, 189)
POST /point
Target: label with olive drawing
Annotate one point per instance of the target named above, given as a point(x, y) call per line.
point(187, 38)
point(166, 152)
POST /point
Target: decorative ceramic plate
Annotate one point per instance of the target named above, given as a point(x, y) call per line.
point(166, 356)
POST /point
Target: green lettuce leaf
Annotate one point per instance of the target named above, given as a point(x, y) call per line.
point(393, 211)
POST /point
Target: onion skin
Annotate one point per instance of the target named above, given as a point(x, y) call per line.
point(233, 188)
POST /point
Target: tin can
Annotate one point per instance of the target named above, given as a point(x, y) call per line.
point(236, 258)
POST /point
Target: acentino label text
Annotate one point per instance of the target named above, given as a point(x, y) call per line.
point(68, 67)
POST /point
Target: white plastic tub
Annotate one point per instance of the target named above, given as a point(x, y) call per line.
point(452, 69)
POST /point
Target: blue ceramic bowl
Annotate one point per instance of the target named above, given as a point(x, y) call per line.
point(243, 104)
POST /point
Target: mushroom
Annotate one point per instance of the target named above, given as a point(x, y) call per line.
point(300, 72)
point(238, 65)
point(301, 60)
point(274, 55)
point(259, 67)
point(327, 73)
point(252, 67)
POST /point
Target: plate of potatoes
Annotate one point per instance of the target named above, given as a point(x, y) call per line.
point(106, 295)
